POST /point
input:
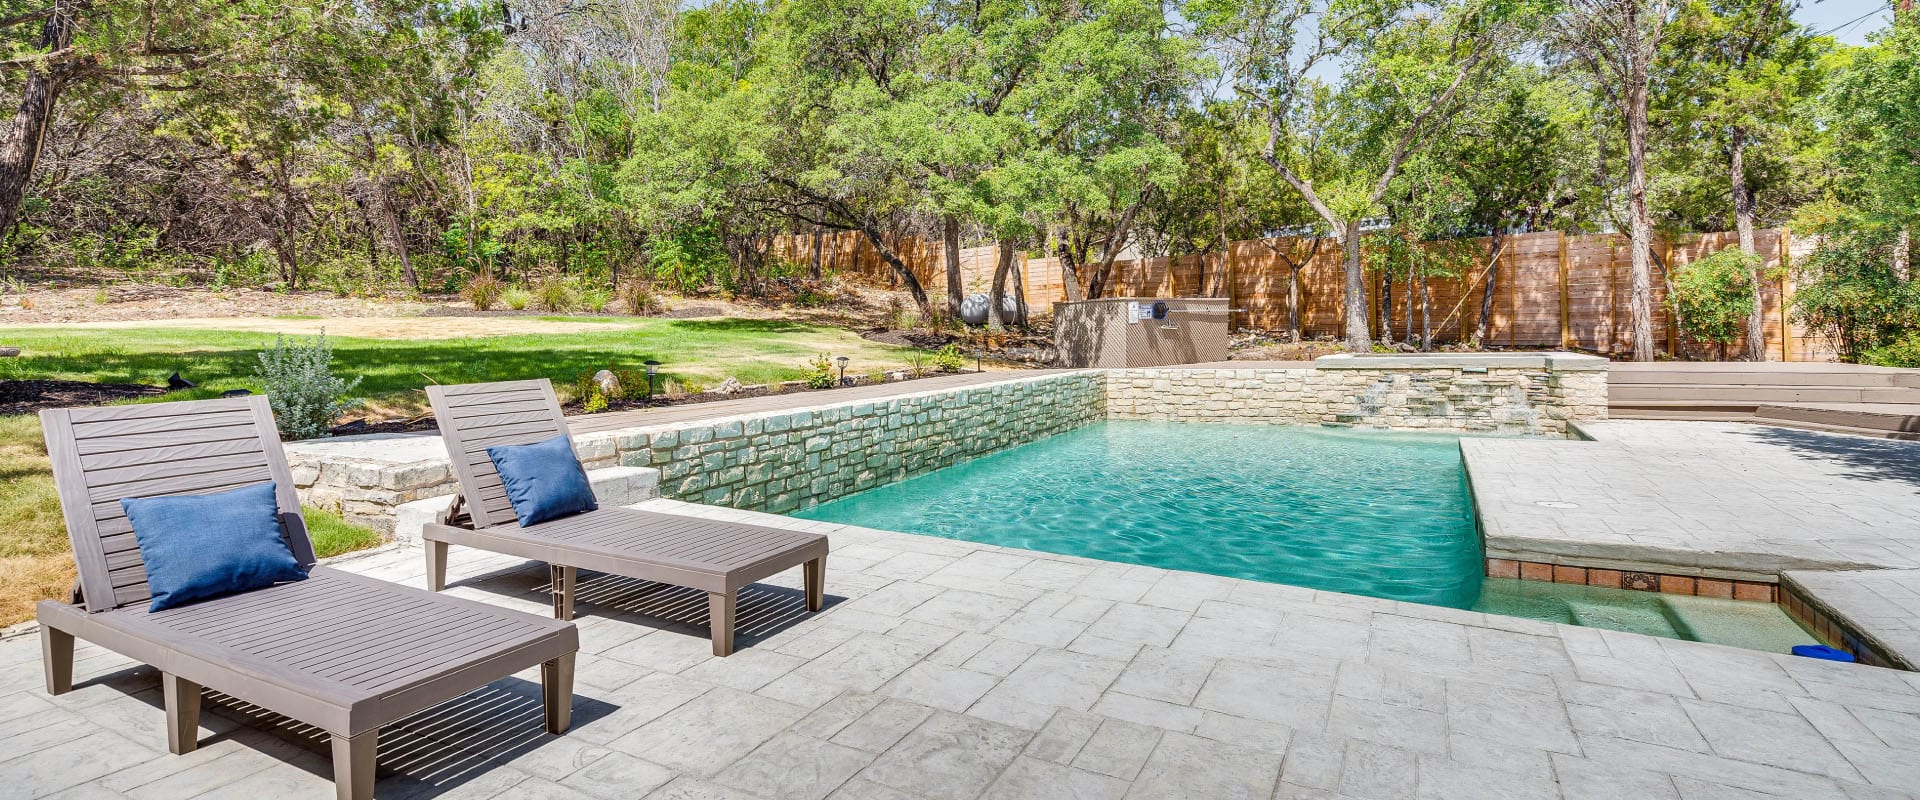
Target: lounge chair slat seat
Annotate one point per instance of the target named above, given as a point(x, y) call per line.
point(339, 651)
point(710, 555)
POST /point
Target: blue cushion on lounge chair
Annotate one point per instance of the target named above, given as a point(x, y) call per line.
point(544, 480)
point(205, 545)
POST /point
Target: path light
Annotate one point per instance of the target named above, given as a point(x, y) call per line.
point(843, 369)
point(653, 368)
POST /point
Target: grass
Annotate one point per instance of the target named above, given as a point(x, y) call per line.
point(394, 370)
point(34, 559)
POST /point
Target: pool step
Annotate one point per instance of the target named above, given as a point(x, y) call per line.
point(1648, 618)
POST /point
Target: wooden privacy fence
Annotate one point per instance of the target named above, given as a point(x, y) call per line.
point(1550, 289)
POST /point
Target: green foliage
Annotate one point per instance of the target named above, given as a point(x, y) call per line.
point(595, 299)
point(516, 298)
point(1847, 291)
point(305, 395)
point(948, 359)
point(333, 535)
point(484, 291)
point(556, 294)
point(1904, 352)
point(638, 297)
point(1713, 296)
point(690, 259)
point(820, 372)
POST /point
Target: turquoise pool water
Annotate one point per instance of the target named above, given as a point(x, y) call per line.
point(1365, 512)
point(1381, 514)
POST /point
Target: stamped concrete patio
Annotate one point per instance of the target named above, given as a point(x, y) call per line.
point(1713, 498)
point(951, 670)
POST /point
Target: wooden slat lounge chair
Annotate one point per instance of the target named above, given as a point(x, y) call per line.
point(338, 651)
point(712, 556)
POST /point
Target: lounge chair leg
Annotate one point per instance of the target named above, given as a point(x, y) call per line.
point(563, 581)
point(720, 614)
point(56, 659)
point(183, 713)
point(815, 574)
point(353, 765)
point(556, 691)
point(436, 566)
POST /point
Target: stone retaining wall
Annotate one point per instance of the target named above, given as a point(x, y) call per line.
point(1531, 393)
point(781, 461)
point(787, 460)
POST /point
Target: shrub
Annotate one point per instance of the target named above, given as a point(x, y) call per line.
point(1902, 353)
point(639, 298)
point(1713, 297)
point(1847, 291)
point(516, 298)
point(820, 372)
point(484, 291)
point(948, 359)
point(301, 388)
point(595, 300)
point(556, 294)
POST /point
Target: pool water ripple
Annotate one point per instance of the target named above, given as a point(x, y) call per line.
point(1383, 514)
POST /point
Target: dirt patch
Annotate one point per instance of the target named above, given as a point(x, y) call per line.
point(28, 397)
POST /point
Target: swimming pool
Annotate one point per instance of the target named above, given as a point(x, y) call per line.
point(1375, 513)
point(1365, 512)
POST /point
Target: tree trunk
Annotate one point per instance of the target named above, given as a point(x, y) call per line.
point(1293, 295)
point(997, 318)
point(1358, 339)
point(1743, 224)
point(950, 236)
point(1484, 327)
point(20, 147)
point(1640, 224)
point(1903, 254)
point(392, 218)
point(1070, 269)
point(1019, 287)
point(1426, 315)
point(1386, 307)
point(900, 270)
point(1097, 287)
point(815, 274)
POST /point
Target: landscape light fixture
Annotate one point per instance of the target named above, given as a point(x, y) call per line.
point(653, 368)
point(843, 369)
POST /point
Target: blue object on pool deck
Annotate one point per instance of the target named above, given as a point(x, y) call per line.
point(1822, 652)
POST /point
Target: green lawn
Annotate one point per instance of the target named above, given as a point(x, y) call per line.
point(393, 370)
point(34, 560)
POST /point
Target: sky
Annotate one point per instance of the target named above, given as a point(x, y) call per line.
point(1847, 20)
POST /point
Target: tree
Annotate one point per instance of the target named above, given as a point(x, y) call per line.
point(1740, 68)
point(1410, 67)
point(1617, 42)
point(1875, 105)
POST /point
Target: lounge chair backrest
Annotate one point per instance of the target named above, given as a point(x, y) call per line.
point(101, 455)
point(475, 416)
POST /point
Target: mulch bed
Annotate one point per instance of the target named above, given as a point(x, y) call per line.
point(27, 397)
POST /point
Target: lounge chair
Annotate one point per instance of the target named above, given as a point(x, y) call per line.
point(341, 652)
point(712, 556)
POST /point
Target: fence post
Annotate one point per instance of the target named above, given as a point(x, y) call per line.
point(1566, 297)
point(1673, 322)
point(1785, 241)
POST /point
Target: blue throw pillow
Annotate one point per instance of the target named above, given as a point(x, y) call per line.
point(543, 480)
point(205, 545)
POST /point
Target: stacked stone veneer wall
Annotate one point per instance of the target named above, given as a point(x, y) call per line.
point(1537, 398)
point(788, 460)
point(785, 460)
